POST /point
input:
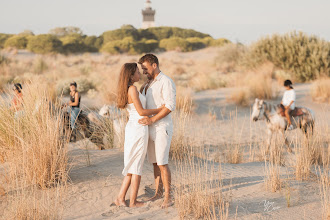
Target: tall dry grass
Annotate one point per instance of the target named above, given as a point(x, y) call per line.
point(255, 84)
point(198, 192)
point(320, 90)
point(181, 117)
point(198, 188)
point(324, 181)
point(32, 145)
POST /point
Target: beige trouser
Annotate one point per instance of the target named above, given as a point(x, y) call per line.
point(159, 145)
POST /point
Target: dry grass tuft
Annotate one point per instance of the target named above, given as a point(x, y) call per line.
point(234, 154)
point(198, 192)
point(240, 97)
point(320, 90)
point(184, 100)
point(273, 180)
point(32, 143)
point(179, 145)
point(324, 181)
point(255, 84)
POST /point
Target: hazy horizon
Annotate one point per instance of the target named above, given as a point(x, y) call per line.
point(242, 21)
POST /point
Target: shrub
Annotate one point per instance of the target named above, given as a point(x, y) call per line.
point(26, 33)
point(207, 41)
point(129, 45)
point(229, 57)
point(307, 57)
point(40, 66)
point(3, 59)
point(240, 97)
point(44, 43)
point(196, 43)
point(120, 34)
point(219, 42)
point(175, 43)
point(73, 43)
point(93, 43)
point(3, 38)
point(150, 46)
point(160, 33)
point(18, 42)
point(320, 90)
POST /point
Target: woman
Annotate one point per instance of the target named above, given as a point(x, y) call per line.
point(16, 104)
point(136, 135)
point(75, 106)
point(288, 101)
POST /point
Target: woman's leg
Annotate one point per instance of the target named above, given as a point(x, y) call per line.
point(136, 179)
point(287, 115)
point(123, 190)
point(73, 118)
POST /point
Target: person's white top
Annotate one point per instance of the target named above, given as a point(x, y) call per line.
point(289, 95)
point(162, 91)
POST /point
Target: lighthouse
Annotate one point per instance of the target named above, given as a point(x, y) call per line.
point(148, 16)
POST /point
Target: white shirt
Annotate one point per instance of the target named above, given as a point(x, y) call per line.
point(288, 97)
point(162, 91)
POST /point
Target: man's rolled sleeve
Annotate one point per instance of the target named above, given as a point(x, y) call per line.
point(169, 94)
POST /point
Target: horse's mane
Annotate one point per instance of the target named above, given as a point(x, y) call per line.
point(270, 107)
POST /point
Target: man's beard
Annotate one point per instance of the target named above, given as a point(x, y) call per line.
point(151, 76)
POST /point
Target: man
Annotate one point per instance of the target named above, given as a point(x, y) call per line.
point(159, 90)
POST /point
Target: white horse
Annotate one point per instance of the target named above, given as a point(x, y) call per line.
point(110, 111)
point(277, 123)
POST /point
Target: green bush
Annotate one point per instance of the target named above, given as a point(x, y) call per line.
point(16, 41)
point(120, 34)
point(3, 38)
point(93, 43)
point(219, 42)
point(150, 46)
point(307, 57)
point(26, 33)
point(44, 43)
point(207, 41)
point(196, 43)
point(175, 43)
point(130, 46)
point(73, 43)
point(160, 33)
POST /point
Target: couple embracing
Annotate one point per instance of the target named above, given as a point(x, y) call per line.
point(149, 129)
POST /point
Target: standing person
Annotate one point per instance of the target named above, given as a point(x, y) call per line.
point(74, 103)
point(289, 101)
point(160, 90)
point(136, 135)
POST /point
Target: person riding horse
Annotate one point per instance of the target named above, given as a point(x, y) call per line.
point(288, 102)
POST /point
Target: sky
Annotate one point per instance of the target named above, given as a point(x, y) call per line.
point(242, 21)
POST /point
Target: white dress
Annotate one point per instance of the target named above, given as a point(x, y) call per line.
point(136, 140)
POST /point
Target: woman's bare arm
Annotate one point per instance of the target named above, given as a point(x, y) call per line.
point(134, 95)
point(76, 100)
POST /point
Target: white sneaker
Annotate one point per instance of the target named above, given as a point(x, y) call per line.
point(290, 128)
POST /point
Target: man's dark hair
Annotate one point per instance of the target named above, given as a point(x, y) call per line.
point(150, 58)
point(18, 86)
point(288, 83)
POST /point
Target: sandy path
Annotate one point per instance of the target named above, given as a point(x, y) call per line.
point(94, 186)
